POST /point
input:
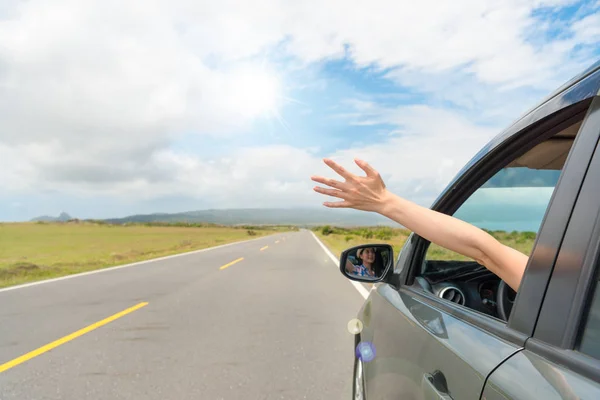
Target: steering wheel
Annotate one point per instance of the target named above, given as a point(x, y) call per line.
point(505, 299)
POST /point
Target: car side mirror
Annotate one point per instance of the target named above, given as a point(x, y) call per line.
point(367, 262)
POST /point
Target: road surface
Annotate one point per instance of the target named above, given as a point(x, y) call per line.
point(263, 319)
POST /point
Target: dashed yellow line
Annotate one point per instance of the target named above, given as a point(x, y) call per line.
point(231, 263)
point(68, 338)
point(264, 248)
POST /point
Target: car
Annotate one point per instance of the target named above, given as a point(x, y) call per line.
point(436, 325)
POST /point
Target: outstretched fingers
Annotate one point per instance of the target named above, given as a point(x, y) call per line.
point(329, 182)
point(370, 171)
point(330, 192)
point(339, 169)
point(338, 204)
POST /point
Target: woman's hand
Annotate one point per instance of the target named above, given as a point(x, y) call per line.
point(361, 193)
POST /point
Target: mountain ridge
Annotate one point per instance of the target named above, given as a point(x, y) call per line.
point(247, 216)
point(62, 217)
point(263, 216)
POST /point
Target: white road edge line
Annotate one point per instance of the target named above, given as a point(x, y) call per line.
point(62, 278)
point(361, 289)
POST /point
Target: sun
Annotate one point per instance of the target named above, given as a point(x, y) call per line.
point(255, 92)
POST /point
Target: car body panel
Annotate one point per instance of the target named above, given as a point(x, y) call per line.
point(412, 339)
point(526, 375)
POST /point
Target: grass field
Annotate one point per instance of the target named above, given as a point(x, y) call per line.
point(34, 251)
point(339, 239)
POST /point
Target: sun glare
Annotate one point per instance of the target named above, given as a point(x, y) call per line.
point(255, 92)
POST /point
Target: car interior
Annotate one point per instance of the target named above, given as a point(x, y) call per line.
point(469, 284)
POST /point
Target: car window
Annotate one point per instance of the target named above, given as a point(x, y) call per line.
point(589, 342)
point(510, 206)
point(512, 203)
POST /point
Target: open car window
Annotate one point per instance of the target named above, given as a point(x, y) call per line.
point(510, 206)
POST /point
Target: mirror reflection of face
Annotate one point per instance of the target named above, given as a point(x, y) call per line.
point(368, 255)
point(367, 262)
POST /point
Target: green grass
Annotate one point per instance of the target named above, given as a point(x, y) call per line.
point(339, 239)
point(35, 251)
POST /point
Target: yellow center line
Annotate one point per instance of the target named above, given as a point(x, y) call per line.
point(231, 263)
point(67, 338)
point(264, 248)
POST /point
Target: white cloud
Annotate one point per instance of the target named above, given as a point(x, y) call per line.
point(150, 66)
point(587, 30)
point(487, 38)
point(94, 93)
point(427, 150)
point(122, 71)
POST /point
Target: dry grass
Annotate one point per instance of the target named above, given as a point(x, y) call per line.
point(31, 251)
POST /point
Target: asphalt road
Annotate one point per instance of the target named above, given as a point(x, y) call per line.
point(271, 326)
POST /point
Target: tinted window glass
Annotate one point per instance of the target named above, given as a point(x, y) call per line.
point(515, 199)
point(590, 336)
point(511, 205)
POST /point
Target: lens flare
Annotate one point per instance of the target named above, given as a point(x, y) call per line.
point(355, 326)
point(365, 351)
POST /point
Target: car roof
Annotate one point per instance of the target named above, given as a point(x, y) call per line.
point(583, 86)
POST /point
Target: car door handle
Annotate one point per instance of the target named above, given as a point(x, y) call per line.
point(434, 387)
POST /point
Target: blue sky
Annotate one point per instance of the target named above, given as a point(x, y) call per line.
point(109, 109)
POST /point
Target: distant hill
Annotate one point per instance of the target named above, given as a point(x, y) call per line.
point(265, 216)
point(63, 217)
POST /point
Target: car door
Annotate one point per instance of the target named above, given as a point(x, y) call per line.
point(427, 347)
point(562, 359)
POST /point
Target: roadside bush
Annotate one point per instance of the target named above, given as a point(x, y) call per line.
point(529, 235)
point(498, 235)
point(349, 238)
point(326, 230)
point(338, 231)
point(384, 233)
point(251, 232)
point(521, 240)
point(364, 233)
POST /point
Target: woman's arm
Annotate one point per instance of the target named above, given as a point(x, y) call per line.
point(370, 194)
point(457, 235)
point(349, 266)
